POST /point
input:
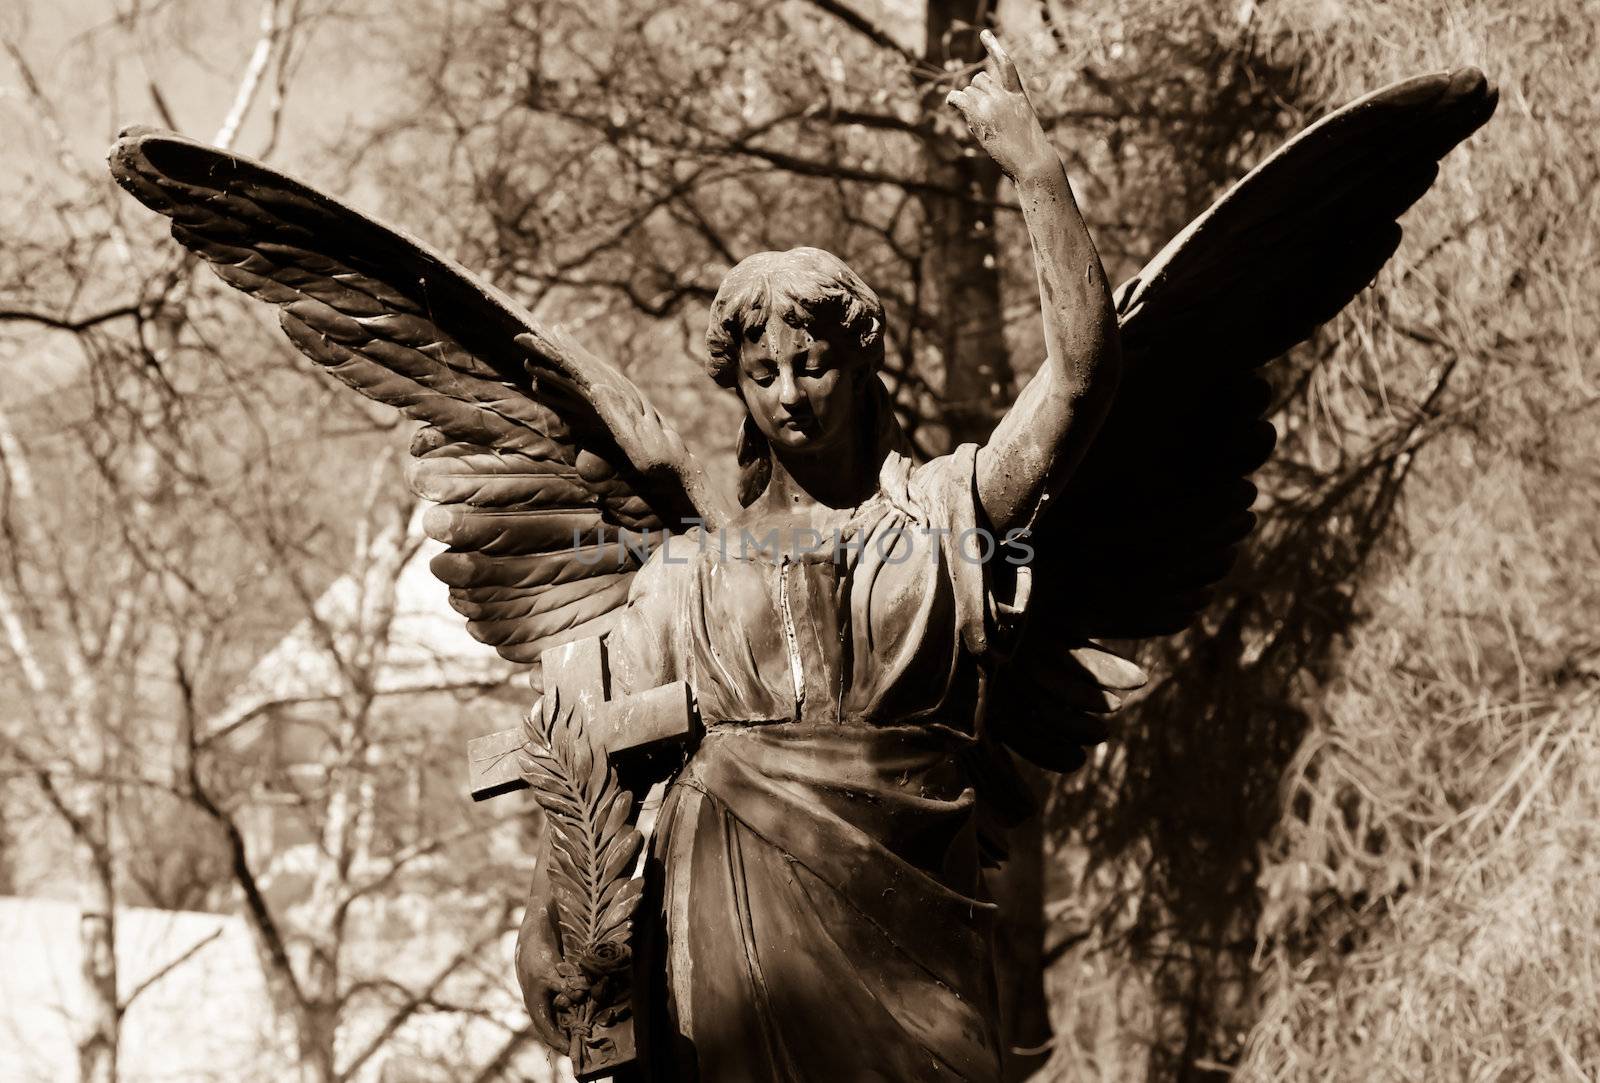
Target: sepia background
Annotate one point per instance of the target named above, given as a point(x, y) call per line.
point(1351, 832)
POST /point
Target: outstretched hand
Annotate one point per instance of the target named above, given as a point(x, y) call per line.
point(997, 109)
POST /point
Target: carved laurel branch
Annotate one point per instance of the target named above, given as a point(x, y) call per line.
point(593, 850)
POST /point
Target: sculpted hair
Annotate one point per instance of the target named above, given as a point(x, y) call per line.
point(806, 288)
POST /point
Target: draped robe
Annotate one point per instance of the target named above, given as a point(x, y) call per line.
point(816, 910)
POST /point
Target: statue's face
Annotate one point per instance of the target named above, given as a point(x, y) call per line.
point(801, 390)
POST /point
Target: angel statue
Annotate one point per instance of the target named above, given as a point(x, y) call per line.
point(812, 903)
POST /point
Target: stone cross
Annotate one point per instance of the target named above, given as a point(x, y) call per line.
point(628, 724)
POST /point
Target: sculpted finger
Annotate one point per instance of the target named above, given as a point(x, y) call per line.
point(1009, 77)
point(536, 961)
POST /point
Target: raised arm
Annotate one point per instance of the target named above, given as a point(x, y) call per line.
point(1042, 437)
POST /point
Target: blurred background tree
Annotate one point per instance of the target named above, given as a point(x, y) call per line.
point(1347, 831)
point(199, 534)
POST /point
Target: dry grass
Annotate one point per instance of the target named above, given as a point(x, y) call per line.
point(1420, 902)
point(1454, 921)
point(1429, 900)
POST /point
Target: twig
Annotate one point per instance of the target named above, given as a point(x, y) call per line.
point(62, 323)
point(867, 29)
point(183, 957)
point(420, 998)
point(266, 44)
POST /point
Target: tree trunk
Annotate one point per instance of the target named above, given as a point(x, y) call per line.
point(98, 1016)
point(87, 809)
point(968, 333)
point(969, 336)
point(318, 1026)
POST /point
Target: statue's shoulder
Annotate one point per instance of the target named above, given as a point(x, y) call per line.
point(668, 561)
point(933, 490)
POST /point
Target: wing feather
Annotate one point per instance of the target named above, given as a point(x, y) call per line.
point(1153, 516)
point(1165, 485)
point(554, 477)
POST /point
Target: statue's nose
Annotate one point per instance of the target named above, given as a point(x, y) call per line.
point(788, 386)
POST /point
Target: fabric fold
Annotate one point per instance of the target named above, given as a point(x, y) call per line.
point(832, 895)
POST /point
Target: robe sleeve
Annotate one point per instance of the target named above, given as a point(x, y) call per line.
point(642, 648)
point(944, 492)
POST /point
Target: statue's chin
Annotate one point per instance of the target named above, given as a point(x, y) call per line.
point(796, 440)
point(792, 438)
point(815, 438)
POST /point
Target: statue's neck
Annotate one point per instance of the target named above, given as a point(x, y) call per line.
point(841, 477)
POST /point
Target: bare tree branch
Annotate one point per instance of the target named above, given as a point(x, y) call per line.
point(865, 27)
point(272, 30)
point(419, 998)
point(188, 953)
point(63, 323)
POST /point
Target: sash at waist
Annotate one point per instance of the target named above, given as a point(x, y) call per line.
point(881, 814)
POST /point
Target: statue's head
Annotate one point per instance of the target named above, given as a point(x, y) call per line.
point(800, 337)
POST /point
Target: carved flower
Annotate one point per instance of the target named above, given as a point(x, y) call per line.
point(611, 957)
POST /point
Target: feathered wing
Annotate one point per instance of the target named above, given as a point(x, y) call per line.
point(544, 460)
point(1153, 516)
